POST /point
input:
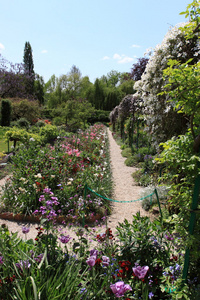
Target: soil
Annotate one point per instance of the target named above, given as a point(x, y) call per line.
point(125, 189)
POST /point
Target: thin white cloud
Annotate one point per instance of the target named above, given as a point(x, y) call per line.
point(117, 56)
point(44, 51)
point(105, 58)
point(125, 59)
point(2, 47)
point(122, 59)
point(135, 46)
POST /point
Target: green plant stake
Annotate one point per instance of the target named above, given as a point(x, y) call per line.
point(192, 221)
point(158, 203)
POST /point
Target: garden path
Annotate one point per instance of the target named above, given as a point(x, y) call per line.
point(125, 189)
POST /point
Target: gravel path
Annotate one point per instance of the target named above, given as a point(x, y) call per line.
point(125, 189)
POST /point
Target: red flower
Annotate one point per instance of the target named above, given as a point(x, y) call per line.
point(98, 262)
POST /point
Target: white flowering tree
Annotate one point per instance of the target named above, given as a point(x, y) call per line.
point(162, 119)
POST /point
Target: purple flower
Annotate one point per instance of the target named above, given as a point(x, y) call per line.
point(39, 258)
point(119, 288)
point(91, 260)
point(140, 272)
point(105, 261)
point(64, 239)
point(94, 252)
point(169, 237)
point(25, 229)
point(151, 295)
point(1, 260)
point(23, 264)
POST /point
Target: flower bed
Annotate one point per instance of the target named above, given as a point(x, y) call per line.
point(141, 262)
point(60, 173)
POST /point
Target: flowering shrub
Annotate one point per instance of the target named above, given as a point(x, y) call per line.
point(163, 122)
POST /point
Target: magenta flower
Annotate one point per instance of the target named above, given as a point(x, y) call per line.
point(119, 288)
point(25, 229)
point(64, 239)
point(140, 272)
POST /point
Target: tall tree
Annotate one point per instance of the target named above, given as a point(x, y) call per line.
point(28, 59)
point(29, 67)
point(5, 112)
point(12, 80)
point(139, 68)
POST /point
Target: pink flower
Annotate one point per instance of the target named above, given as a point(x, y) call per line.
point(140, 272)
point(119, 288)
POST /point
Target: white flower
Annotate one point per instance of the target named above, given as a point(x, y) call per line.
point(39, 175)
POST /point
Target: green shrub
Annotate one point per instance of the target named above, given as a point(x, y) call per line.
point(23, 122)
point(58, 121)
point(126, 152)
point(20, 135)
point(40, 123)
point(48, 133)
point(130, 161)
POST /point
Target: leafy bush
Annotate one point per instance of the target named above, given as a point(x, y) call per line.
point(21, 135)
point(25, 109)
point(48, 133)
point(130, 161)
point(23, 122)
point(40, 123)
point(126, 152)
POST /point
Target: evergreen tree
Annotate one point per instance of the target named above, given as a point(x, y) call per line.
point(98, 95)
point(5, 112)
point(29, 68)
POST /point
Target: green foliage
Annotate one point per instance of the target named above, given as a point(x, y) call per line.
point(183, 87)
point(6, 109)
point(77, 113)
point(23, 122)
point(21, 135)
point(25, 109)
point(48, 133)
point(126, 152)
point(180, 172)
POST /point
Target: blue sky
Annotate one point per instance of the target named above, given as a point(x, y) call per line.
point(95, 36)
